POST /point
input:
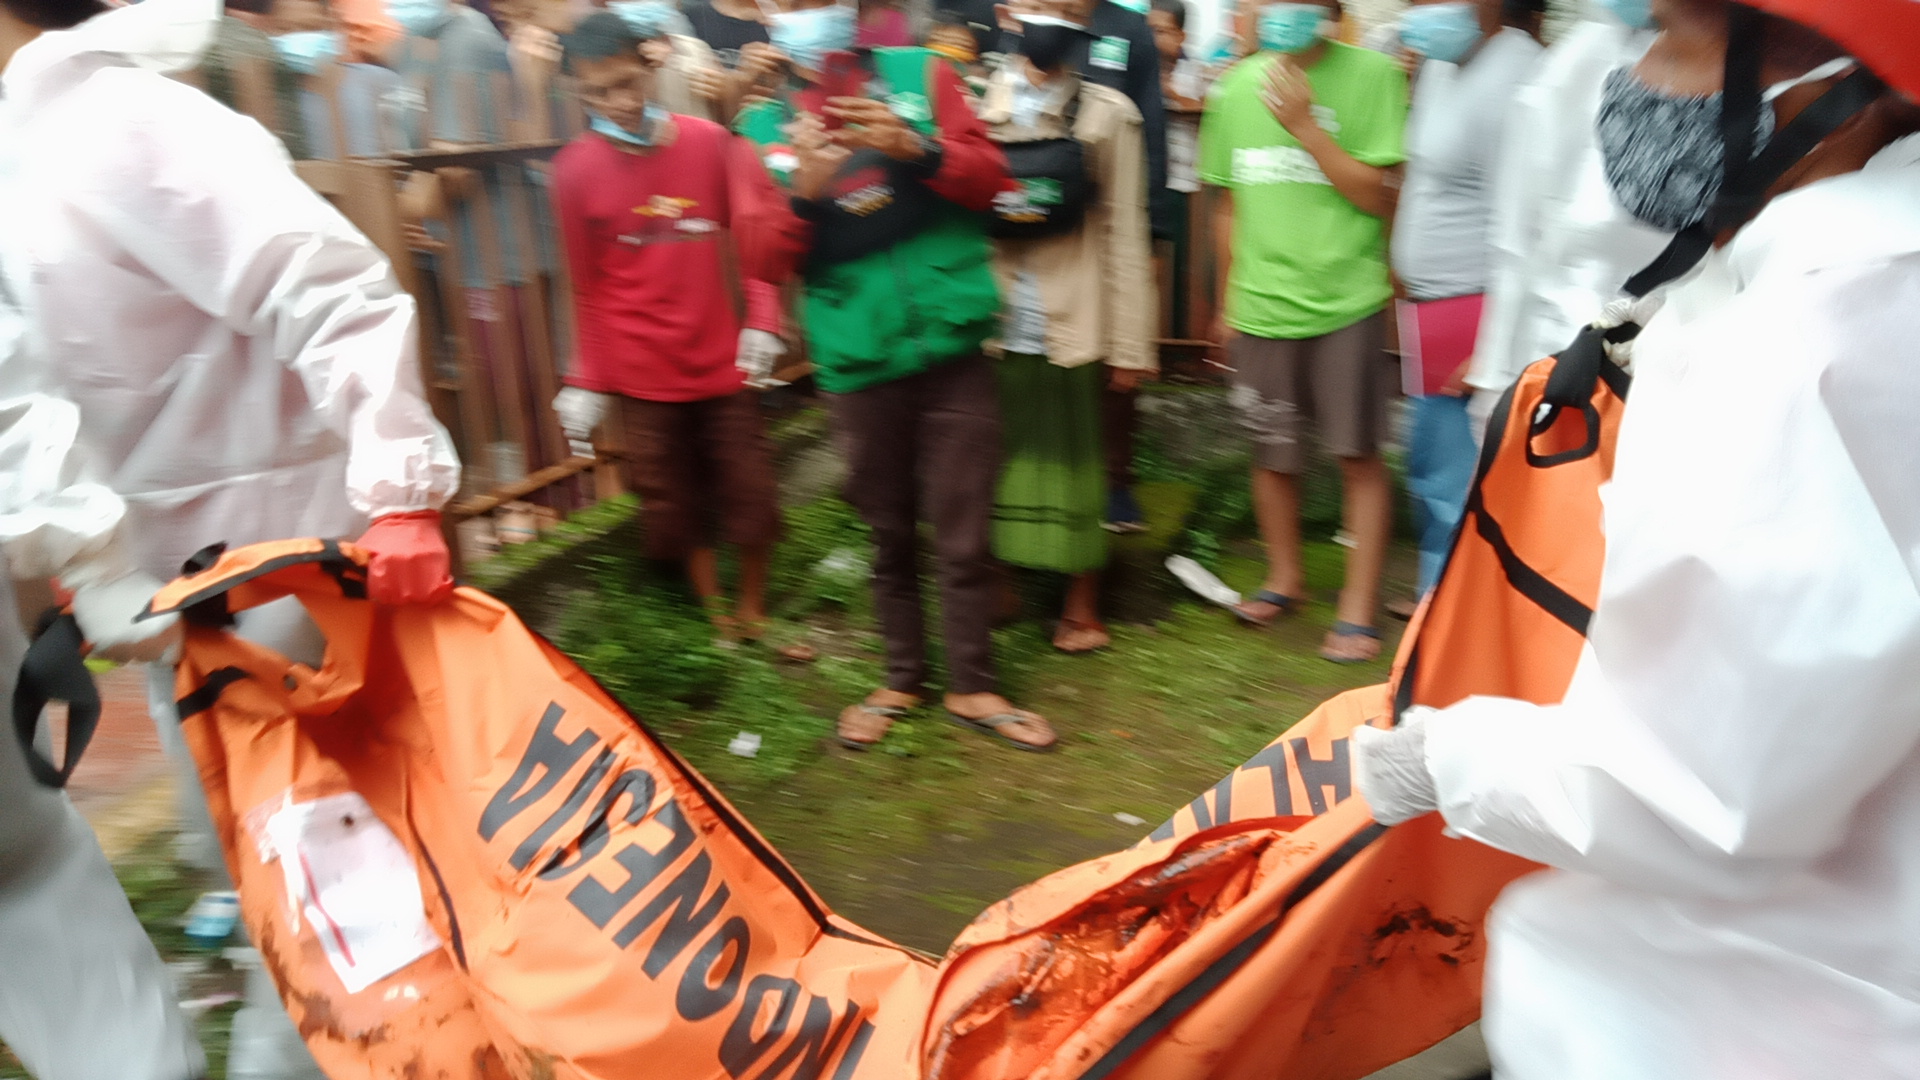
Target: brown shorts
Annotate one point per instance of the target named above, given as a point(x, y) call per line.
point(703, 471)
point(1340, 381)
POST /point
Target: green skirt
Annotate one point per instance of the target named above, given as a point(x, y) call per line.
point(1053, 487)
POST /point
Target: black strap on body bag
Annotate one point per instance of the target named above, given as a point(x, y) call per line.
point(54, 670)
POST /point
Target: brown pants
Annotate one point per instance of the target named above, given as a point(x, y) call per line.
point(928, 444)
point(703, 471)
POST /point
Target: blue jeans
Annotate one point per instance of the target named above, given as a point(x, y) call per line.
point(1440, 461)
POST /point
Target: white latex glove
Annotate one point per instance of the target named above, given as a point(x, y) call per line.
point(759, 350)
point(580, 411)
point(1390, 767)
point(107, 595)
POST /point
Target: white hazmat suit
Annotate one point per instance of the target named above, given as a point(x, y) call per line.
point(244, 359)
point(83, 995)
point(1731, 790)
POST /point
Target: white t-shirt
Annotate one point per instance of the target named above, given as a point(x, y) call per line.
point(1453, 143)
point(1023, 320)
point(1183, 129)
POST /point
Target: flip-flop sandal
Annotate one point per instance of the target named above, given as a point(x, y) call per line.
point(1343, 629)
point(889, 713)
point(991, 725)
point(727, 631)
point(1264, 596)
point(1071, 625)
point(754, 632)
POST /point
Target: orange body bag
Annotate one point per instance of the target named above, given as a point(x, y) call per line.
point(462, 858)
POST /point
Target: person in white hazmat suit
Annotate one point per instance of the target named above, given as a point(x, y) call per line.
point(243, 358)
point(1560, 245)
point(1729, 795)
point(83, 995)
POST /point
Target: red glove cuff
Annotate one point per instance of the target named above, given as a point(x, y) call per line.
point(408, 560)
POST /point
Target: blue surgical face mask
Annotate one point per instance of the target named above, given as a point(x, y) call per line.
point(650, 19)
point(1635, 13)
point(1292, 28)
point(306, 51)
point(421, 18)
point(650, 122)
point(1444, 32)
point(808, 36)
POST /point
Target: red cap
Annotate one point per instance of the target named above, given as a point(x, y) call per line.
point(1882, 34)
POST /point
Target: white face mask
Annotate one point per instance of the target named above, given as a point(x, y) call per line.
point(808, 36)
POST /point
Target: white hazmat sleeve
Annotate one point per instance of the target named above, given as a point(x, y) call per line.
point(52, 513)
point(1750, 679)
point(206, 200)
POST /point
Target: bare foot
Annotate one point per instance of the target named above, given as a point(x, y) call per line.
point(996, 716)
point(865, 724)
point(1077, 636)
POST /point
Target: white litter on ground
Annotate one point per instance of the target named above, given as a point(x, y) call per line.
point(1202, 581)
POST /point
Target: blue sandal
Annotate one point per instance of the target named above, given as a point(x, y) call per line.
point(1343, 629)
point(1264, 596)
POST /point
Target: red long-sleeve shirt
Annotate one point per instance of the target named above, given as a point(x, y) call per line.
point(972, 170)
point(645, 236)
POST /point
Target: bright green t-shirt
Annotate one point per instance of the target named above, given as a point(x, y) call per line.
point(1306, 261)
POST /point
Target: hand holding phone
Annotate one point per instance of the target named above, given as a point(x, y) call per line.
point(841, 75)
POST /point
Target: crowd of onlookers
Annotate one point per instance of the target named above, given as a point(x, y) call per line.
point(980, 203)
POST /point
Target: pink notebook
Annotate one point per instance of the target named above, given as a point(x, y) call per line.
point(1436, 337)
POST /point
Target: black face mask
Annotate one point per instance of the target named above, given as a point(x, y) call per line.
point(1048, 43)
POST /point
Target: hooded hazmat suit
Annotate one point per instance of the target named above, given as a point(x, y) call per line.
point(243, 358)
point(1730, 791)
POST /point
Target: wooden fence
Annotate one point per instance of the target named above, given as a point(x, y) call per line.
point(491, 281)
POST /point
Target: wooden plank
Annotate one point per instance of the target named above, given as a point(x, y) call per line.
point(506, 353)
point(1202, 291)
point(329, 178)
point(506, 493)
point(473, 157)
point(476, 426)
point(536, 326)
point(372, 195)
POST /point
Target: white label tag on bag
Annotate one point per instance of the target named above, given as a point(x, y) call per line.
point(348, 875)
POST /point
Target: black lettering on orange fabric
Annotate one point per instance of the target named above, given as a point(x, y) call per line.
point(812, 1048)
point(599, 903)
point(1223, 800)
point(582, 789)
point(1273, 758)
point(697, 999)
point(740, 1048)
point(546, 750)
point(1335, 772)
point(856, 1050)
point(637, 785)
point(686, 915)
